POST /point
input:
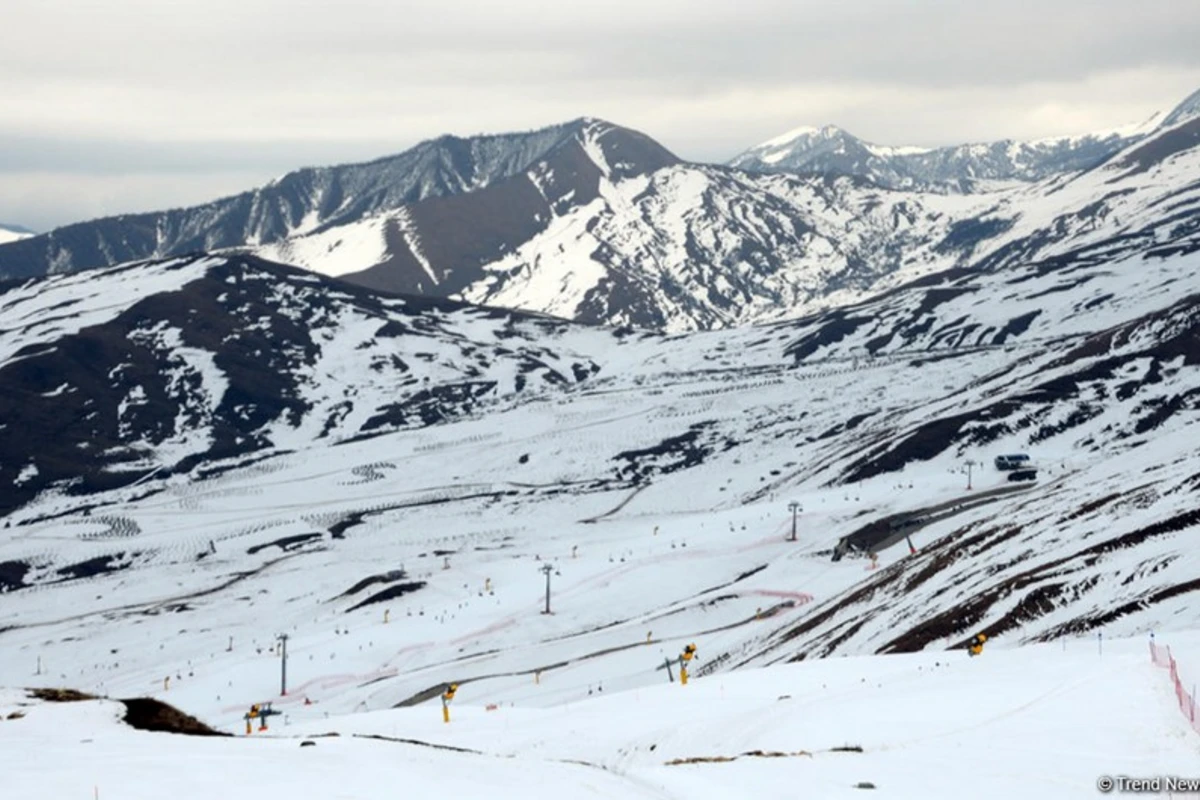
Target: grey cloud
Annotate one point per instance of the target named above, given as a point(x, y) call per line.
point(254, 87)
point(36, 154)
point(434, 43)
point(44, 200)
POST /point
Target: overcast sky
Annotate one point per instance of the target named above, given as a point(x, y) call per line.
point(112, 106)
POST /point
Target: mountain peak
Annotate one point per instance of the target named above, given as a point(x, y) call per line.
point(803, 132)
point(804, 149)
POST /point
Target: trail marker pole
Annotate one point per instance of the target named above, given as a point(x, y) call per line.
point(1100, 642)
point(283, 637)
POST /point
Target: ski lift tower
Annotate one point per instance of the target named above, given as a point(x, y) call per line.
point(547, 568)
point(283, 637)
point(794, 507)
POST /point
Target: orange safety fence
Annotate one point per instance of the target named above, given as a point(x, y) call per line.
point(1161, 656)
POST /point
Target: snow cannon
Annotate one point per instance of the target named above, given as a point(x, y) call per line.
point(685, 658)
point(447, 696)
point(260, 712)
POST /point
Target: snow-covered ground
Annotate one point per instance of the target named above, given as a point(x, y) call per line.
point(657, 490)
point(1039, 722)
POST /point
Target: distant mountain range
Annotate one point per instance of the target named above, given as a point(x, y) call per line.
point(600, 224)
point(964, 168)
point(12, 233)
point(829, 150)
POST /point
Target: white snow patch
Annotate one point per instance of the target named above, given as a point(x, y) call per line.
point(337, 251)
point(408, 229)
point(27, 473)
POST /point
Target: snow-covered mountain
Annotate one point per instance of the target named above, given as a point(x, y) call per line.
point(1186, 110)
point(679, 247)
point(693, 247)
point(304, 201)
point(208, 359)
point(12, 233)
point(829, 150)
point(205, 443)
point(202, 452)
point(599, 224)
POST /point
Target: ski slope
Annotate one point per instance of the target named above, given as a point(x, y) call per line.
point(1040, 722)
point(653, 475)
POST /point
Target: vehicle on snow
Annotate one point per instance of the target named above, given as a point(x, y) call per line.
point(1028, 473)
point(1011, 462)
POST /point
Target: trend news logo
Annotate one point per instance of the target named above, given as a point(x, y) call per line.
point(1162, 783)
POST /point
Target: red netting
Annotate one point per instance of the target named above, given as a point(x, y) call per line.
point(1162, 657)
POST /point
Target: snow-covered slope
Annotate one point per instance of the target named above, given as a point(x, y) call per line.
point(208, 358)
point(13, 233)
point(388, 488)
point(1039, 723)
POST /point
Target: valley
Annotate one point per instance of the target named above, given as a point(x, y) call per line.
point(521, 417)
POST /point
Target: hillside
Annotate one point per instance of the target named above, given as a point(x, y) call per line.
point(651, 473)
point(207, 359)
